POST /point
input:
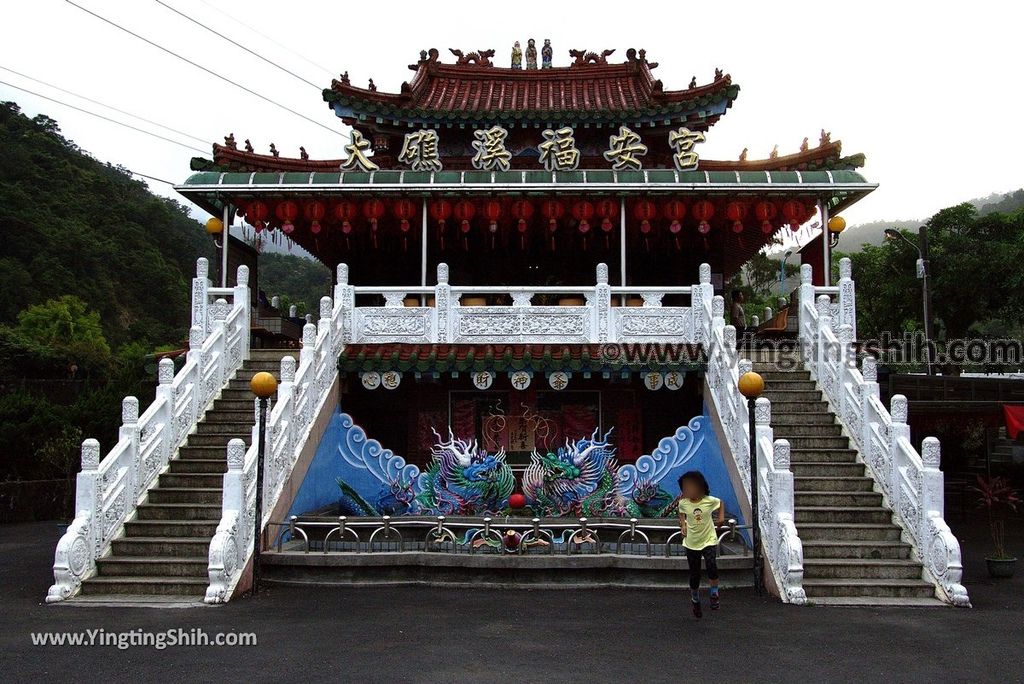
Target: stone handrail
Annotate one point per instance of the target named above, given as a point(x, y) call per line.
point(782, 546)
point(301, 394)
point(109, 489)
point(911, 482)
point(448, 319)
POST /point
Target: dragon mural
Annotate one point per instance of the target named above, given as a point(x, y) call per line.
point(580, 478)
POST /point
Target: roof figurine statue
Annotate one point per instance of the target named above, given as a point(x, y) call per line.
point(531, 54)
point(517, 56)
point(273, 150)
point(743, 154)
point(229, 141)
point(774, 154)
point(479, 57)
point(546, 53)
point(825, 139)
point(302, 153)
point(582, 57)
point(804, 146)
point(248, 146)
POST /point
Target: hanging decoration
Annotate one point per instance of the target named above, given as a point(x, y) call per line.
point(654, 380)
point(794, 212)
point(552, 210)
point(765, 213)
point(314, 212)
point(404, 210)
point(441, 211)
point(674, 210)
point(522, 211)
point(736, 212)
point(373, 211)
point(391, 379)
point(287, 211)
point(583, 211)
point(703, 210)
point(492, 212)
point(644, 212)
point(256, 214)
point(464, 212)
point(607, 210)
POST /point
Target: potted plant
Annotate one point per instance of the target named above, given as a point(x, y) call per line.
point(998, 498)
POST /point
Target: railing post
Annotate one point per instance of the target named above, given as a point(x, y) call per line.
point(195, 354)
point(931, 496)
point(806, 303)
point(869, 390)
point(846, 363)
point(242, 298)
point(344, 294)
point(308, 350)
point(220, 311)
point(847, 299)
point(900, 429)
point(443, 304)
point(200, 298)
point(129, 432)
point(824, 304)
point(165, 391)
point(600, 305)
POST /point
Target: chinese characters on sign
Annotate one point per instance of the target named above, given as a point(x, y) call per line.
point(420, 151)
point(391, 380)
point(520, 380)
point(558, 151)
point(483, 379)
point(682, 141)
point(558, 380)
point(654, 380)
point(371, 380)
point(356, 151)
point(491, 153)
point(674, 379)
point(624, 150)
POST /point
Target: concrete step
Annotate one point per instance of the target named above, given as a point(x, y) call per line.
point(199, 465)
point(833, 498)
point(826, 469)
point(231, 404)
point(833, 484)
point(179, 511)
point(176, 586)
point(186, 495)
point(822, 455)
point(841, 514)
point(213, 452)
point(234, 429)
point(843, 532)
point(790, 385)
point(892, 588)
point(219, 439)
point(792, 395)
point(772, 374)
point(191, 480)
point(267, 365)
point(877, 602)
point(246, 416)
point(783, 421)
point(136, 566)
point(171, 528)
point(238, 394)
point(831, 429)
point(788, 406)
point(161, 547)
point(797, 442)
point(856, 549)
point(862, 568)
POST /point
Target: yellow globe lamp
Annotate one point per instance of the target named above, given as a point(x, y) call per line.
point(214, 226)
point(263, 385)
point(836, 225)
point(751, 385)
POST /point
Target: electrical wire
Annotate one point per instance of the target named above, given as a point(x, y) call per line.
point(205, 69)
point(102, 104)
point(238, 45)
point(105, 118)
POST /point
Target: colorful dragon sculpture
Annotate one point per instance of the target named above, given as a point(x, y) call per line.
point(462, 480)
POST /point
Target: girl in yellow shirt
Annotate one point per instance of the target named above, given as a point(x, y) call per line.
point(696, 520)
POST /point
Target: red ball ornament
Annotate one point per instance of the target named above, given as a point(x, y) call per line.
point(373, 210)
point(552, 210)
point(492, 210)
point(517, 501)
point(441, 211)
point(736, 212)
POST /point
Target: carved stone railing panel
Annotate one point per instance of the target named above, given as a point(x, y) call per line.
point(109, 489)
point(911, 482)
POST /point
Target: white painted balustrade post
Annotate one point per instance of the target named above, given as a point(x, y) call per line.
point(868, 390)
point(931, 495)
point(229, 547)
point(768, 313)
point(307, 354)
point(847, 362)
point(700, 301)
point(129, 432)
point(806, 304)
point(755, 321)
point(847, 297)
point(781, 478)
point(600, 305)
point(345, 295)
point(900, 429)
point(75, 556)
point(220, 311)
point(242, 298)
point(200, 296)
point(293, 422)
point(165, 393)
point(824, 306)
point(196, 337)
point(443, 304)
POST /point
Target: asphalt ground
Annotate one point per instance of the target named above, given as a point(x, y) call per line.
point(414, 634)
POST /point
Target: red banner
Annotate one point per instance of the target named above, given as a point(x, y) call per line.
point(1014, 416)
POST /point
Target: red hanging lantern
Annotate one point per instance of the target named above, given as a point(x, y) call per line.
point(765, 213)
point(256, 214)
point(464, 212)
point(674, 210)
point(794, 211)
point(736, 212)
point(373, 211)
point(607, 210)
point(583, 211)
point(441, 211)
point(703, 211)
point(552, 210)
point(345, 212)
point(287, 211)
point(644, 212)
point(492, 211)
point(522, 211)
point(403, 210)
point(314, 212)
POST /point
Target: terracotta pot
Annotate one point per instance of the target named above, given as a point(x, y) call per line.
point(571, 301)
point(411, 301)
point(635, 301)
point(1001, 567)
point(474, 301)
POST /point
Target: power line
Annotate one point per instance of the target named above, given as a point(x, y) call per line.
point(269, 38)
point(238, 45)
point(202, 68)
point(105, 118)
point(97, 102)
point(154, 178)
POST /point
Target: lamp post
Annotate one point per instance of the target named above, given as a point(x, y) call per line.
point(924, 274)
point(263, 385)
point(215, 229)
point(751, 385)
point(782, 272)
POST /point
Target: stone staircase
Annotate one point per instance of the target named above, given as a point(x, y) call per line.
point(165, 546)
point(853, 552)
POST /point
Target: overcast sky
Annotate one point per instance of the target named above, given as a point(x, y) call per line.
point(929, 91)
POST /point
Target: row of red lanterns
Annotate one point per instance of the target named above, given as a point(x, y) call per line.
point(345, 212)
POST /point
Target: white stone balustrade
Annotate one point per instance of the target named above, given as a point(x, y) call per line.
point(109, 489)
point(911, 482)
point(445, 317)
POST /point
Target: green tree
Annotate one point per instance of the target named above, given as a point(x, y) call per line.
point(67, 327)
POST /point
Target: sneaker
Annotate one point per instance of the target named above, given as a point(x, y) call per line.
point(715, 601)
point(697, 612)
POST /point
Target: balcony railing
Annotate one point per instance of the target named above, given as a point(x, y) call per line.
point(447, 313)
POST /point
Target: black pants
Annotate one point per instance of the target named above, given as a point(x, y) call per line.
point(693, 558)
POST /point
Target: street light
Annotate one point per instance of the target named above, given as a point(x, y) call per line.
point(782, 271)
point(751, 386)
point(836, 225)
point(215, 229)
point(263, 385)
point(924, 274)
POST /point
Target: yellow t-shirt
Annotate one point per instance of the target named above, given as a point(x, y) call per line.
point(700, 523)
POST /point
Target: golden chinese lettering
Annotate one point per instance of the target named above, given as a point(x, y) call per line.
point(356, 151)
point(682, 141)
point(624, 150)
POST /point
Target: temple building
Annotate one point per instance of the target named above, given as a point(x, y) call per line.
point(527, 321)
